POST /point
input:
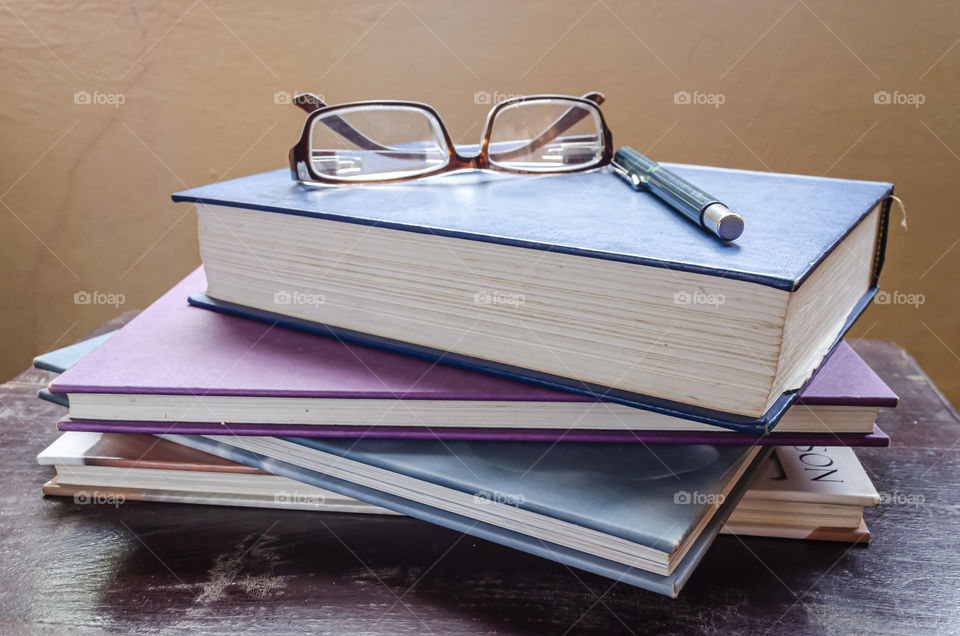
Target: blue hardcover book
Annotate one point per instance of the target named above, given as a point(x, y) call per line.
point(53, 398)
point(575, 282)
point(62, 359)
point(640, 515)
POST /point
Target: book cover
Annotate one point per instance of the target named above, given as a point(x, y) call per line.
point(591, 216)
point(634, 495)
point(54, 398)
point(814, 473)
point(774, 255)
point(172, 348)
point(60, 360)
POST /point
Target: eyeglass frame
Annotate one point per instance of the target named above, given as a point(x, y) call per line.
point(300, 156)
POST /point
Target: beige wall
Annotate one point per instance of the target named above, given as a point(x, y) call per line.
point(85, 187)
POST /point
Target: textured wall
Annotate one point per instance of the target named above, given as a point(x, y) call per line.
point(187, 96)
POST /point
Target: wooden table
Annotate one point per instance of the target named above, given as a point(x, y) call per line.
point(166, 567)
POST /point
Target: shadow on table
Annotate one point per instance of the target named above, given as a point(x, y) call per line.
point(181, 566)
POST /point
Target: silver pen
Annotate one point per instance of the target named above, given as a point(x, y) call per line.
point(643, 173)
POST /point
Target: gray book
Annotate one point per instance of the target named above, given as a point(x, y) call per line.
point(644, 515)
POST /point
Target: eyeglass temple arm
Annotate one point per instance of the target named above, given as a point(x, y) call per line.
point(308, 102)
point(565, 122)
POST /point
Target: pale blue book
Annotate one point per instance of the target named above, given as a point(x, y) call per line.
point(643, 515)
point(60, 360)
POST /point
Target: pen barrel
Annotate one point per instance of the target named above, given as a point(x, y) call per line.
point(679, 193)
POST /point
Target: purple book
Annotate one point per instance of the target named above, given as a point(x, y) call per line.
point(182, 369)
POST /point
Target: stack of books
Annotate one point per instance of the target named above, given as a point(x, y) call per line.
point(556, 364)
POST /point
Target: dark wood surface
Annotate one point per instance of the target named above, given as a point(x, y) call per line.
point(151, 567)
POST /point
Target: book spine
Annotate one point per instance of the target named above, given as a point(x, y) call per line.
point(880, 249)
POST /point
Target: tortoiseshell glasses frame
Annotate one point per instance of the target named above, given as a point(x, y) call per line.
point(574, 153)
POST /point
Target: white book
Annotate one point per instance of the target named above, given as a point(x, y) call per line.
point(808, 474)
point(785, 499)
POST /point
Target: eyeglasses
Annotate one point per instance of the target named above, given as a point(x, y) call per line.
point(385, 141)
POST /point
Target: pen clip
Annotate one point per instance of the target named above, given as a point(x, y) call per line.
point(632, 178)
